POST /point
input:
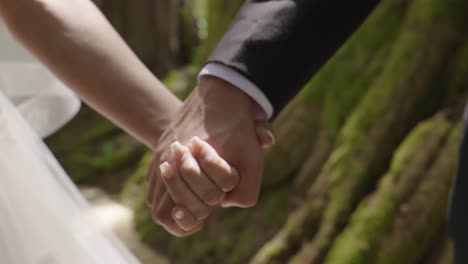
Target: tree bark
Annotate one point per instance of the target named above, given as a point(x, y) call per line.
point(370, 135)
point(312, 122)
point(151, 28)
point(419, 169)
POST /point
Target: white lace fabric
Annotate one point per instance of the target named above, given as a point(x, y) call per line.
point(44, 219)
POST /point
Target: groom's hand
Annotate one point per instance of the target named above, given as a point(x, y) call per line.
point(222, 115)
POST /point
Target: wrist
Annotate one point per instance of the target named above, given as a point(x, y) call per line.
point(159, 118)
point(221, 95)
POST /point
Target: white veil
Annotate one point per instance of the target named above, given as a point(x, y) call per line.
point(44, 218)
point(42, 100)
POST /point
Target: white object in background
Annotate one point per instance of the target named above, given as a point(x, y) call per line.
point(45, 102)
point(44, 219)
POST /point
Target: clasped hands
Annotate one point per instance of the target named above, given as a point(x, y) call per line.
point(209, 155)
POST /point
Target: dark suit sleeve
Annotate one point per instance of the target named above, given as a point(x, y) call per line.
point(280, 44)
point(458, 214)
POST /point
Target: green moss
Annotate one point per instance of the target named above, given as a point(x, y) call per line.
point(99, 131)
point(404, 62)
point(136, 180)
point(358, 243)
point(117, 153)
point(148, 231)
point(172, 78)
point(278, 249)
point(425, 210)
point(275, 203)
point(219, 17)
point(87, 128)
point(348, 75)
point(406, 149)
point(327, 100)
point(374, 105)
point(378, 123)
point(232, 236)
point(435, 10)
point(91, 146)
point(457, 75)
point(189, 32)
point(213, 19)
point(201, 15)
point(91, 160)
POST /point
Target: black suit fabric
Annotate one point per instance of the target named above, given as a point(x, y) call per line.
point(458, 215)
point(280, 44)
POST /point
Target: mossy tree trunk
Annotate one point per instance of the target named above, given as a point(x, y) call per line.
point(404, 92)
point(339, 137)
point(352, 127)
point(365, 153)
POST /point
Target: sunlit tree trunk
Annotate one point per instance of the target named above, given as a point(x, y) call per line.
point(151, 28)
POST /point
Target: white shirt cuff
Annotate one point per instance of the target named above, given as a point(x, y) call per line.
point(231, 76)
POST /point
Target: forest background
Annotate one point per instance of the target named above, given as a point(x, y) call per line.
point(365, 154)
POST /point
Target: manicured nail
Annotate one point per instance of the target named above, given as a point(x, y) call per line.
point(272, 137)
point(271, 140)
point(166, 170)
point(196, 140)
point(196, 144)
point(179, 214)
point(177, 150)
point(228, 205)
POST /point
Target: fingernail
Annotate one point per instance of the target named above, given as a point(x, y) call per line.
point(266, 146)
point(271, 142)
point(271, 136)
point(166, 169)
point(228, 205)
point(197, 141)
point(177, 149)
point(196, 144)
point(179, 214)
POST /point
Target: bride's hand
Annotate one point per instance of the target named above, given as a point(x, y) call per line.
point(199, 178)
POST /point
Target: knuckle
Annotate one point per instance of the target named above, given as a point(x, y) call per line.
point(150, 171)
point(148, 176)
point(187, 226)
point(162, 157)
point(159, 217)
point(177, 233)
point(210, 163)
point(228, 183)
point(248, 202)
point(169, 178)
point(155, 217)
point(149, 199)
point(188, 170)
point(149, 202)
point(202, 213)
point(212, 196)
